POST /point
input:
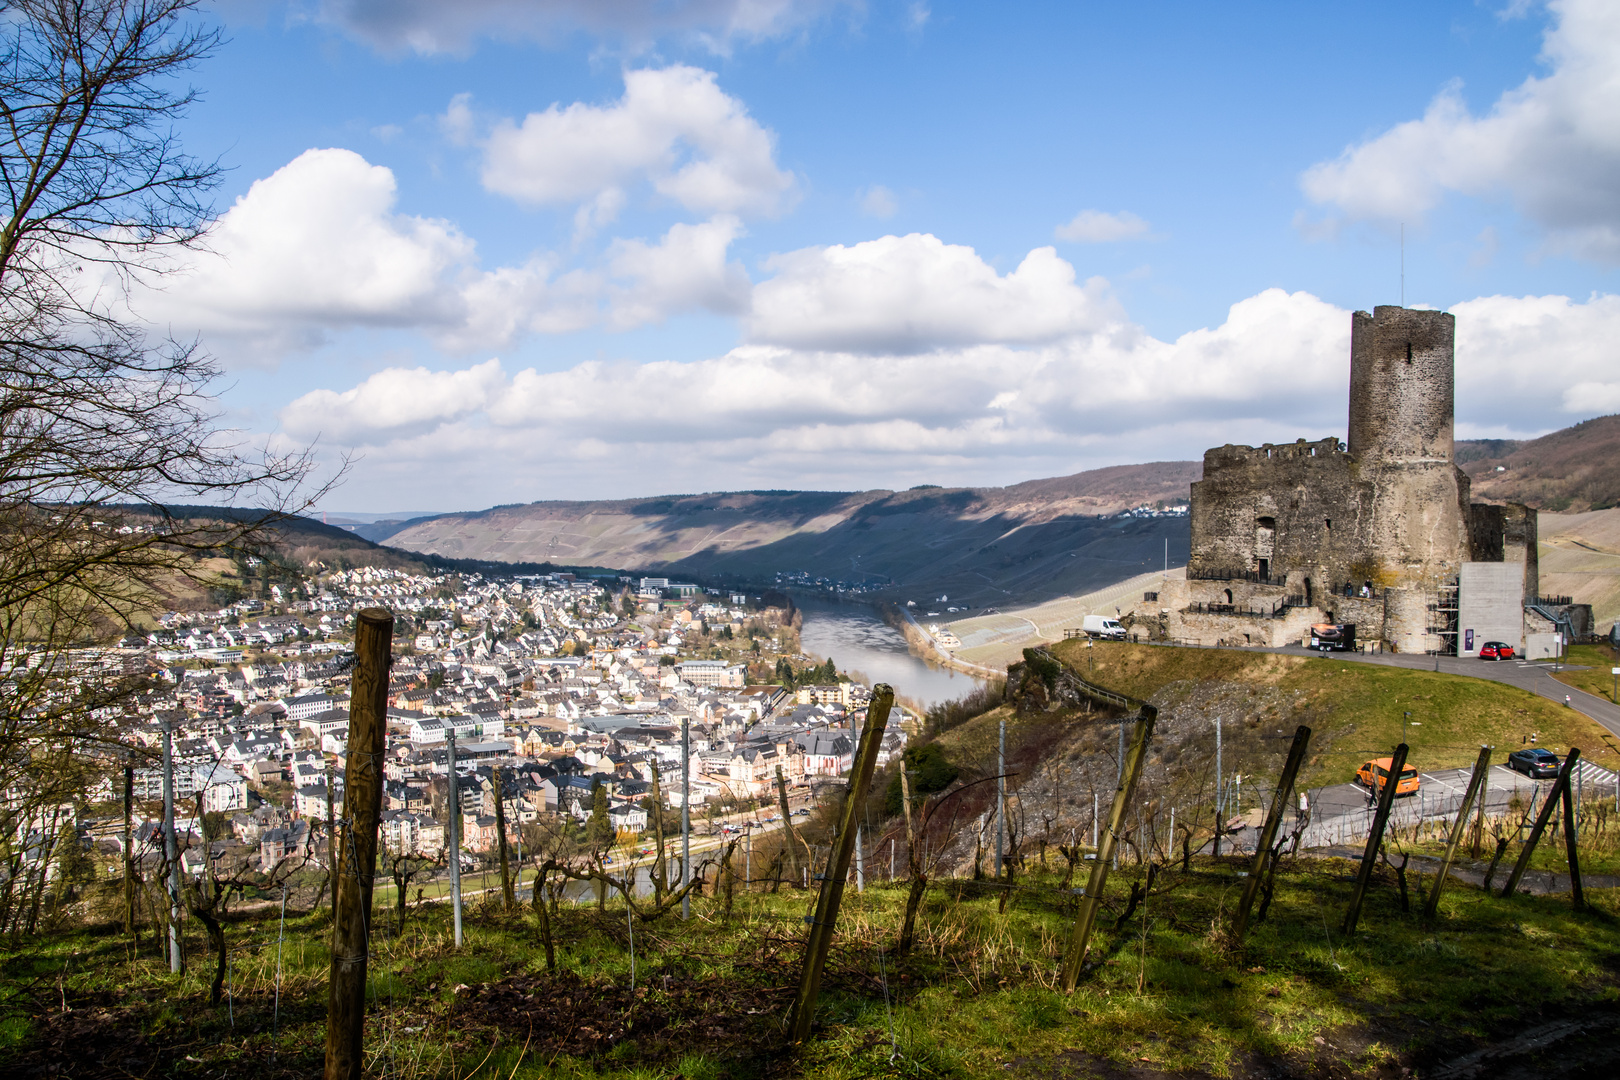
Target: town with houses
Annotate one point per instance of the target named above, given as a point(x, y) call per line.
point(552, 687)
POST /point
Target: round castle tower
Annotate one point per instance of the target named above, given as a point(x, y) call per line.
point(1402, 390)
point(1402, 385)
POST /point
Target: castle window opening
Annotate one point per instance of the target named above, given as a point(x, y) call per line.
point(1408, 352)
point(1228, 596)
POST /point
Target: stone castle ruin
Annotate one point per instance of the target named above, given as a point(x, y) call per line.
point(1377, 531)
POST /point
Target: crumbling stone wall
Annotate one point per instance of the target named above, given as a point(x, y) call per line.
point(1279, 513)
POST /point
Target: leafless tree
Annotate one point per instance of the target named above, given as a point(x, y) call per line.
point(406, 867)
point(208, 896)
point(104, 428)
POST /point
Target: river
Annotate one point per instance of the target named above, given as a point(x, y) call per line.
point(859, 640)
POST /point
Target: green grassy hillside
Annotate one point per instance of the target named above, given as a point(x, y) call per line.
point(1357, 707)
point(1166, 995)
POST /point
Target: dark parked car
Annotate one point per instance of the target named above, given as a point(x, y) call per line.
point(1496, 650)
point(1536, 762)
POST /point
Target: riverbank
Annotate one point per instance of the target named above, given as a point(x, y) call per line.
point(922, 643)
point(863, 638)
point(998, 638)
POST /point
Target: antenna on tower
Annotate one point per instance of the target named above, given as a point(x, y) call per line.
point(1403, 264)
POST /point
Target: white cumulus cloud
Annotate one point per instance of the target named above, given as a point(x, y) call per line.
point(396, 402)
point(1552, 145)
point(674, 128)
point(773, 414)
point(782, 415)
point(912, 293)
point(313, 246)
point(687, 270)
point(317, 248)
point(1528, 364)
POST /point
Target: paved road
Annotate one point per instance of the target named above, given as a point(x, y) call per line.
point(1340, 813)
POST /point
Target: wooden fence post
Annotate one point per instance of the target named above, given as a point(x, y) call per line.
point(1560, 786)
point(352, 881)
point(1087, 917)
point(1268, 834)
point(1386, 803)
point(1476, 787)
point(822, 922)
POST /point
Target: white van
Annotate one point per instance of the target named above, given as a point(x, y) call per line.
point(1102, 626)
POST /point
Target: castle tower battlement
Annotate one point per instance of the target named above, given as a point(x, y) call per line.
point(1402, 385)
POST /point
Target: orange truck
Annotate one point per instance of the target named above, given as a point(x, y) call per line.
point(1375, 773)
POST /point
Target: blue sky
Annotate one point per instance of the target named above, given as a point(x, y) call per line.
point(504, 251)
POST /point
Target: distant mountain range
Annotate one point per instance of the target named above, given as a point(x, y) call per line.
point(1017, 544)
point(1005, 546)
point(1569, 471)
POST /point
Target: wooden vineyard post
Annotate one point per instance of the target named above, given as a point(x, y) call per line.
point(1571, 826)
point(508, 898)
point(790, 839)
point(1268, 834)
point(1476, 790)
point(1559, 788)
point(332, 853)
point(831, 895)
point(352, 880)
point(1087, 917)
point(452, 811)
point(129, 854)
point(1386, 803)
point(686, 819)
point(171, 849)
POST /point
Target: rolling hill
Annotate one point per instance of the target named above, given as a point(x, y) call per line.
point(1580, 559)
point(1019, 544)
point(1571, 470)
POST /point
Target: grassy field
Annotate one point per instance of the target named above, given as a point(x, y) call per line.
point(1361, 705)
point(1166, 993)
point(1597, 678)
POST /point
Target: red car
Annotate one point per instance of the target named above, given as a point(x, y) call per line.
point(1496, 650)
